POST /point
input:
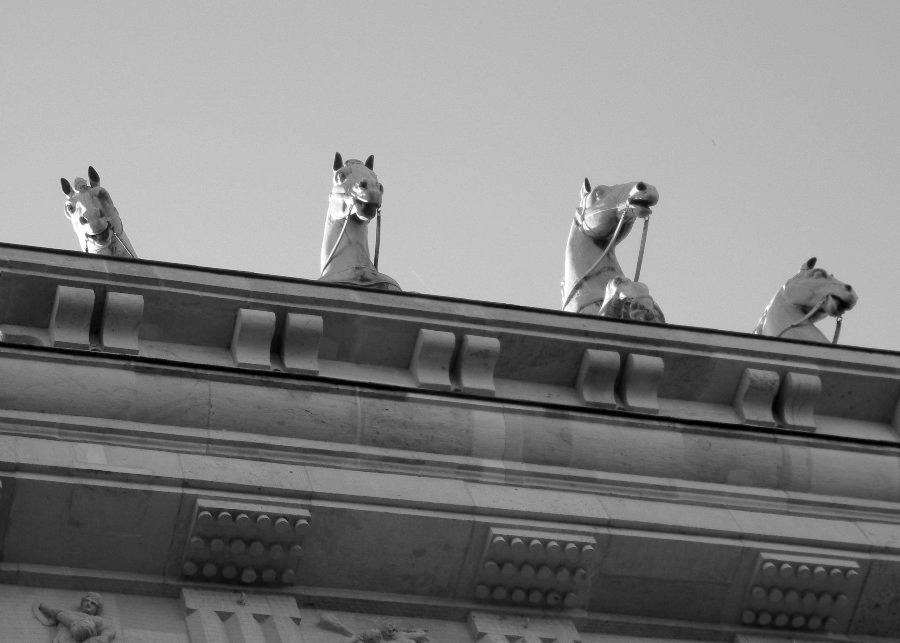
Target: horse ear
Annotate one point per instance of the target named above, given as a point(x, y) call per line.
point(585, 188)
point(93, 176)
point(66, 187)
point(370, 162)
point(810, 263)
point(338, 161)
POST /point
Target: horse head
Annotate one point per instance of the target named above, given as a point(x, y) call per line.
point(807, 297)
point(603, 206)
point(354, 201)
point(815, 289)
point(95, 219)
point(355, 190)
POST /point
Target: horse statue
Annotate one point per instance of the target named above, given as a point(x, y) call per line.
point(97, 223)
point(604, 217)
point(354, 201)
point(804, 299)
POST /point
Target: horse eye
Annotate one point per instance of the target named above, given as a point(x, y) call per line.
point(340, 177)
point(70, 208)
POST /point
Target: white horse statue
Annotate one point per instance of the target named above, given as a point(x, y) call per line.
point(95, 219)
point(603, 219)
point(804, 299)
point(354, 201)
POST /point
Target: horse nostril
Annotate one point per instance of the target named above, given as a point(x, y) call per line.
point(641, 186)
point(848, 286)
point(364, 184)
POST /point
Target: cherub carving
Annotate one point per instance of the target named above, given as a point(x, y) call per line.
point(385, 632)
point(83, 625)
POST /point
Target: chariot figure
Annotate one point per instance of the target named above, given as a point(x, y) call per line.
point(83, 625)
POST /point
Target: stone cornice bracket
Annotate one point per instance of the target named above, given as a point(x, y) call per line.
point(246, 544)
point(300, 343)
point(639, 384)
point(754, 398)
point(795, 404)
point(807, 594)
point(431, 359)
point(251, 344)
point(597, 375)
point(122, 315)
point(536, 569)
point(236, 617)
point(491, 628)
point(475, 364)
point(70, 321)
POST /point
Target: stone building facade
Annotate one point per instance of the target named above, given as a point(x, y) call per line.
point(228, 457)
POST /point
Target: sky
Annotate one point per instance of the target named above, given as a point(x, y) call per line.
point(770, 129)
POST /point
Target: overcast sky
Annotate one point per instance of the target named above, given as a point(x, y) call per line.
point(769, 128)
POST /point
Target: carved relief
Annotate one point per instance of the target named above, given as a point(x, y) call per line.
point(247, 544)
point(805, 298)
point(536, 569)
point(82, 625)
point(384, 632)
point(95, 219)
point(808, 594)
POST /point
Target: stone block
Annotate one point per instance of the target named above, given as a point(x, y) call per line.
point(796, 400)
point(639, 386)
point(755, 397)
point(490, 628)
point(475, 364)
point(251, 343)
point(432, 356)
point(70, 321)
point(536, 569)
point(122, 315)
point(300, 345)
point(596, 383)
point(808, 594)
point(237, 617)
point(245, 544)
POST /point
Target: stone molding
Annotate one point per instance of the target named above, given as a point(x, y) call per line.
point(432, 358)
point(518, 354)
point(122, 316)
point(755, 396)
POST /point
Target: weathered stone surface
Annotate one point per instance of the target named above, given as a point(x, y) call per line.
point(121, 326)
point(251, 344)
point(70, 322)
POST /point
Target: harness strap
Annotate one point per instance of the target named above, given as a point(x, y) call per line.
point(640, 259)
point(377, 238)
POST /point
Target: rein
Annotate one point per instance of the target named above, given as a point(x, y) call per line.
point(609, 246)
